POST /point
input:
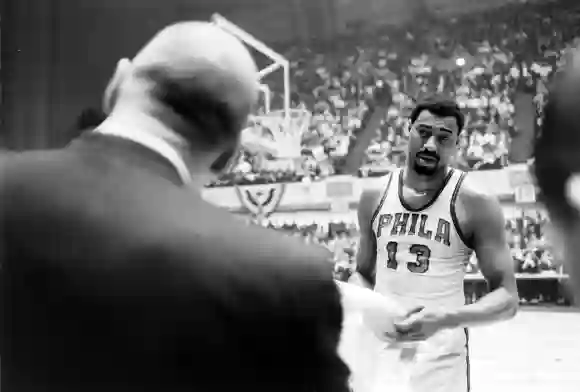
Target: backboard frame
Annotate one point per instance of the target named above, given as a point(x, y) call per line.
point(278, 61)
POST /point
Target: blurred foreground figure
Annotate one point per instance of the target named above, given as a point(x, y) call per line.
point(557, 164)
point(117, 277)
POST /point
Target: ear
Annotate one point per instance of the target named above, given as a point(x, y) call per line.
point(573, 190)
point(111, 92)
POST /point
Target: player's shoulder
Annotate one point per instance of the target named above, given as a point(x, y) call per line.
point(372, 195)
point(476, 202)
point(476, 193)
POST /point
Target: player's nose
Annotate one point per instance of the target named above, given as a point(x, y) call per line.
point(430, 144)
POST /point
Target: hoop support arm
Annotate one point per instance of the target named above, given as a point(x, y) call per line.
point(269, 69)
point(231, 28)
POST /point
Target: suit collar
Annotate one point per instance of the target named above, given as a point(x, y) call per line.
point(128, 152)
point(156, 141)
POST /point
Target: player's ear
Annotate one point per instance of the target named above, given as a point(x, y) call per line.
point(111, 92)
point(573, 190)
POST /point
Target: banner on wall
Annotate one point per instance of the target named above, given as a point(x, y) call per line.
point(260, 200)
point(342, 193)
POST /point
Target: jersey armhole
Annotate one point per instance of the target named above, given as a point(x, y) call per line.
point(454, 196)
point(383, 197)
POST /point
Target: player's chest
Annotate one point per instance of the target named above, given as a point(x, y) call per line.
point(408, 241)
point(405, 226)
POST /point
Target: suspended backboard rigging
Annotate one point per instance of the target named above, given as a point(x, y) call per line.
point(265, 90)
point(278, 61)
point(287, 125)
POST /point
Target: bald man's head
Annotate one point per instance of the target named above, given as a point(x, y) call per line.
point(203, 74)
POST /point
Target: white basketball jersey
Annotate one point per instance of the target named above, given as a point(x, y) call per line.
point(421, 255)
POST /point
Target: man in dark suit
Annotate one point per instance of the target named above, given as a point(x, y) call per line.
point(116, 277)
point(557, 164)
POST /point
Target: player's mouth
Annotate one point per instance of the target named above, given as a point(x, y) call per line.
point(427, 159)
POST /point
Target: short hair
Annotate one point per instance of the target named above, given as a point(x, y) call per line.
point(214, 119)
point(557, 147)
point(441, 107)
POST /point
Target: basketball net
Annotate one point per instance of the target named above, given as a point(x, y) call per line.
point(287, 130)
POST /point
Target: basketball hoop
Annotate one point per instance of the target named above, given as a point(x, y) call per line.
point(265, 90)
point(288, 128)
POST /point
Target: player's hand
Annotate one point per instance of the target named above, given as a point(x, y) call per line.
point(420, 324)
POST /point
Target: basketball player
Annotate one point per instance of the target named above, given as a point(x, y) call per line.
point(417, 233)
point(557, 164)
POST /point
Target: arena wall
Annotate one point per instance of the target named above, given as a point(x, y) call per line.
point(57, 55)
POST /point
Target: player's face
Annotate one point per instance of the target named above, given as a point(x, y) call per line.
point(432, 143)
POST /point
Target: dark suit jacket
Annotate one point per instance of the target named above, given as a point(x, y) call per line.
point(116, 278)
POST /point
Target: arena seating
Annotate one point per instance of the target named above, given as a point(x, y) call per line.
point(491, 63)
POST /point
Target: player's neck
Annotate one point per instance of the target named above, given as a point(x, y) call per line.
point(423, 183)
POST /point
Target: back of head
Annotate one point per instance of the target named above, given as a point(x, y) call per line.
point(557, 164)
point(557, 149)
point(199, 72)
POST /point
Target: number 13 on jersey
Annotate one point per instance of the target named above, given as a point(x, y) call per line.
point(421, 263)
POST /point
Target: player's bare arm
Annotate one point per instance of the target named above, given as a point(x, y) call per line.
point(366, 257)
point(485, 230)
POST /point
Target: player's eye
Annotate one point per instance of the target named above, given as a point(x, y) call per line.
point(423, 132)
point(445, 140)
